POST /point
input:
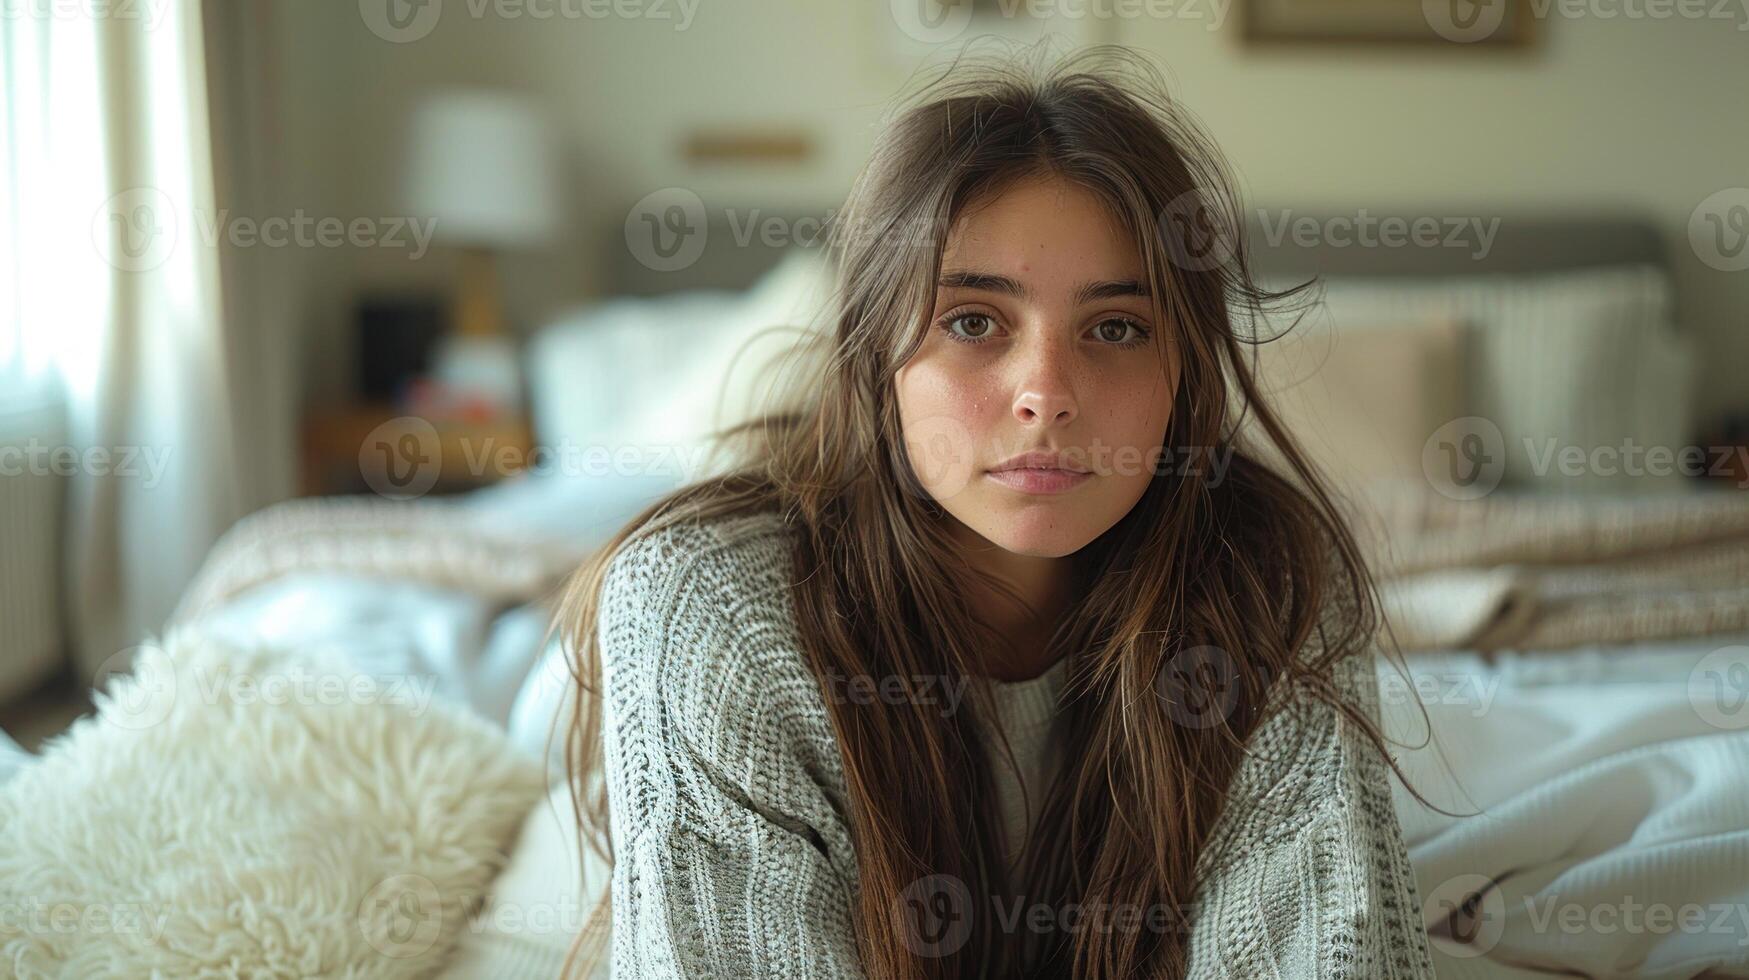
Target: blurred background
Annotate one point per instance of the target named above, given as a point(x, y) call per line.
point(354, 325)
point(394, 249)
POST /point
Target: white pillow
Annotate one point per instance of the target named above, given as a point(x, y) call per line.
point(535, 908)
point(654, 373)
point(1585, 357)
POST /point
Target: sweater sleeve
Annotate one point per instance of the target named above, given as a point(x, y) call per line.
point(1307, 873)
point(729, 859)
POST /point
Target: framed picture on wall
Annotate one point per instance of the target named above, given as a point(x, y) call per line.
point(1454, 23)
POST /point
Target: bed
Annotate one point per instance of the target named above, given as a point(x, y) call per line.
point(1596, 743)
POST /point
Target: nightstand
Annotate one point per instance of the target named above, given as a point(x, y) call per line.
point(376, 449)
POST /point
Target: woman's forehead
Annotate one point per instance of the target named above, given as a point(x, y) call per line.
point(1044, 230)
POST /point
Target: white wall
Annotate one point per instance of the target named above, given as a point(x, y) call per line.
point(1612, 114)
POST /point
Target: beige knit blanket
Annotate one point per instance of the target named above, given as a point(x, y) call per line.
point(1543, 572)
point(1527, 572)
point(437, 541)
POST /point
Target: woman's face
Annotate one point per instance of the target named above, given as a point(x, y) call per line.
point(1042, 338)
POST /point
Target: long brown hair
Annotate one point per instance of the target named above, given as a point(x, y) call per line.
point(1259, 564)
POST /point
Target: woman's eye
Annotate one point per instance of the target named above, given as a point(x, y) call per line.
point(977, 327)
point(1121, 331)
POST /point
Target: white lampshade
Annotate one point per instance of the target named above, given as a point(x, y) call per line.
point(483, 165)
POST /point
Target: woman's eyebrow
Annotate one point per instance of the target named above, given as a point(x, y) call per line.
point(1087, 293)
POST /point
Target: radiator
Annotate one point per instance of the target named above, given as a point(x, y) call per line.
point(32, 503)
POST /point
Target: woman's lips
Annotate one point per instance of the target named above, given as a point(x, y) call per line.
point(1039, 481)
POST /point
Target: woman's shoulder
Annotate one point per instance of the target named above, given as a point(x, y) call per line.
point(698, 629)
point(756, 543)
point(1306, 757)
point(698, 594)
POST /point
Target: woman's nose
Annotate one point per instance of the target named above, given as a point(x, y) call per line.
point(1046, 392)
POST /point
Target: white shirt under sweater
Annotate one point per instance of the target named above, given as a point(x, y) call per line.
point(1024, 712)
point(726, 794)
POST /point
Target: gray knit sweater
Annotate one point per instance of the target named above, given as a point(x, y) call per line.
point(727, 796)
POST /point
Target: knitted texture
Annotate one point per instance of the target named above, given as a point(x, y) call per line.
point(727, 795)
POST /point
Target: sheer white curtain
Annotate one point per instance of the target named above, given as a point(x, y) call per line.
point(112, 296)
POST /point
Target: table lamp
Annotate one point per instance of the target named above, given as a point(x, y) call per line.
point(482, 166)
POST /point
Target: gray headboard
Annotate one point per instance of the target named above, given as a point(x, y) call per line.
point(739, 245)
point(1517, 243)
point(736, 251)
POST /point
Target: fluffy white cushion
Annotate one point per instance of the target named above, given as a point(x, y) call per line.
point(251, 812)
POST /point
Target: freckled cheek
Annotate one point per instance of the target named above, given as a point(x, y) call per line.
point(1133, 412)
point(937, 389)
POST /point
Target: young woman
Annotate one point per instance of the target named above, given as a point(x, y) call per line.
point(1000, 650)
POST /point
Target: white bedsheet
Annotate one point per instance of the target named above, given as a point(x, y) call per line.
point(1614, 782)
